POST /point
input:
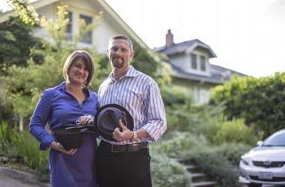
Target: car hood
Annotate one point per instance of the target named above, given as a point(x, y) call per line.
point(261, 153)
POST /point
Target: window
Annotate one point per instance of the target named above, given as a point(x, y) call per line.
point(87, 20)
point(68, 32)
point(193, 61)
point(202, 63)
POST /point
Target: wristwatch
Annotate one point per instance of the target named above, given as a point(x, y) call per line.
point(135, 137)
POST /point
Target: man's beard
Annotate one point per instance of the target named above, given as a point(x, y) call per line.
point(117, 63)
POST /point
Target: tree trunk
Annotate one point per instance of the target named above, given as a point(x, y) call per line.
point(21, 123)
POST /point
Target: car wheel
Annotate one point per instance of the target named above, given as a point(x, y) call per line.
point(254, 185)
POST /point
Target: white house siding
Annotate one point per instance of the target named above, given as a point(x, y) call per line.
point(200, 92)
point(201, 95)
point(181, 61)
point(48, 12)
point(100, 35)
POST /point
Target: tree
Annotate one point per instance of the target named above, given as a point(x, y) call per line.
point(23, 84)
point(26, 12)
point(16, 43)
point(259, 101)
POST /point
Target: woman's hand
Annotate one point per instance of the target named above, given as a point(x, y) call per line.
point(85, 120)
point(57, 146)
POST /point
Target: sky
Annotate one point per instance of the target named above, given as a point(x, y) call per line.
point(247, 36)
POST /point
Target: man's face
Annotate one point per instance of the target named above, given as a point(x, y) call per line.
point(119, 53)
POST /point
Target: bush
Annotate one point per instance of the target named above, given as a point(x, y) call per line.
point(232, 151)
point(215, 165)
point(207, 122)
point(175, 96)
point(6, 136)
point(16, 41)
point(167, 172)
point(178, 144)
point(177, 103)
point(28, 148)
point(258, 101)
point(234, 131)
point(22, 148)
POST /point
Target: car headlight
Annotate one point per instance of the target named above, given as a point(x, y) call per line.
point(244, 161)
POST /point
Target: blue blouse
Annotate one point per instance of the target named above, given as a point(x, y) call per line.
point(57, 108)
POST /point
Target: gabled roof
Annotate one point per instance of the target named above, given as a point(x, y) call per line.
point(218, 74)
point(117, 19)
point(225, 72)
point(112, 15)
point(186, 47)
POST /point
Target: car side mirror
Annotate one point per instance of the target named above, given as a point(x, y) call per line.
point(259, 143)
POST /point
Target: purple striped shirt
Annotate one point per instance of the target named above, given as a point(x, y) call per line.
point(140, 95)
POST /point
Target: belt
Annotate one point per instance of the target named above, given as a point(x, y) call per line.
point(128, 148)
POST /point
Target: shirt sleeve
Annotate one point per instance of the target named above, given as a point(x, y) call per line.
point(156, 123)
point(39, 119)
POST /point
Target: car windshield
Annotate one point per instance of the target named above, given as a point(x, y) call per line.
point(276, 139)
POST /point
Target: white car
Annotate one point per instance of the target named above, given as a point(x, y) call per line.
point(264, 164)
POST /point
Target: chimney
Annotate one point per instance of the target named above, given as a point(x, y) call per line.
point(169, 39)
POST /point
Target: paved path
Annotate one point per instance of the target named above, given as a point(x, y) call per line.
point(15, 178)
point(7, 181)
point(264, 186)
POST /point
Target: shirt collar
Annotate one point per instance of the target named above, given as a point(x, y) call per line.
point(62, 87)
point(132, 72)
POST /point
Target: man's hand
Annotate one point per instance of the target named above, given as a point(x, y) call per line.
point(126, 134)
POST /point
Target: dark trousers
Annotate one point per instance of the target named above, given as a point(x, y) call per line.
point(124, 169)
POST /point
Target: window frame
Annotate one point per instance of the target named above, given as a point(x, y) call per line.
point(69, 26)
point(198, 57)
point(88, 38)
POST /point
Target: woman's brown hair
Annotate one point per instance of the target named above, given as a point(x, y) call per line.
point(86, 58)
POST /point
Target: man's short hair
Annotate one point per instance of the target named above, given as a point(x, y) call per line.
point(122, 37)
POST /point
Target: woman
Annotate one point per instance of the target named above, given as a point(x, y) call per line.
point(62, 105)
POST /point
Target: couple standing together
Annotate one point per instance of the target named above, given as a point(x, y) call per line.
point(89, 166)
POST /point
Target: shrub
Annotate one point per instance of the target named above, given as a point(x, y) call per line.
point(178, 144)
point(173, 96)
point(215, 165)
point(28, 149)
point(209, 119)
point(258, 101)
point(6, 136)
point(177, 103)
point(167, 172)
point(179, 119)
point(234, 131)
point(232, 151)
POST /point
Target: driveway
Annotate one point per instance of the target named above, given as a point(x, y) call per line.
point(8, 181)
point(12, 178)
point(263, 186)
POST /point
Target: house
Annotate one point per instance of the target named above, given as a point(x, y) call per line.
point(191, 68)
point(109, 23)
point(189, 60)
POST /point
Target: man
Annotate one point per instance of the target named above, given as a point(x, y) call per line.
point(126, 162)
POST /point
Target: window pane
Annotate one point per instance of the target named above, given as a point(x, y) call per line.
point(68, 32)
point(193, 61)
point(87, 38)
point(203, 63)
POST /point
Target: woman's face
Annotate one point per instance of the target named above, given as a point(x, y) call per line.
point(78, 72)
